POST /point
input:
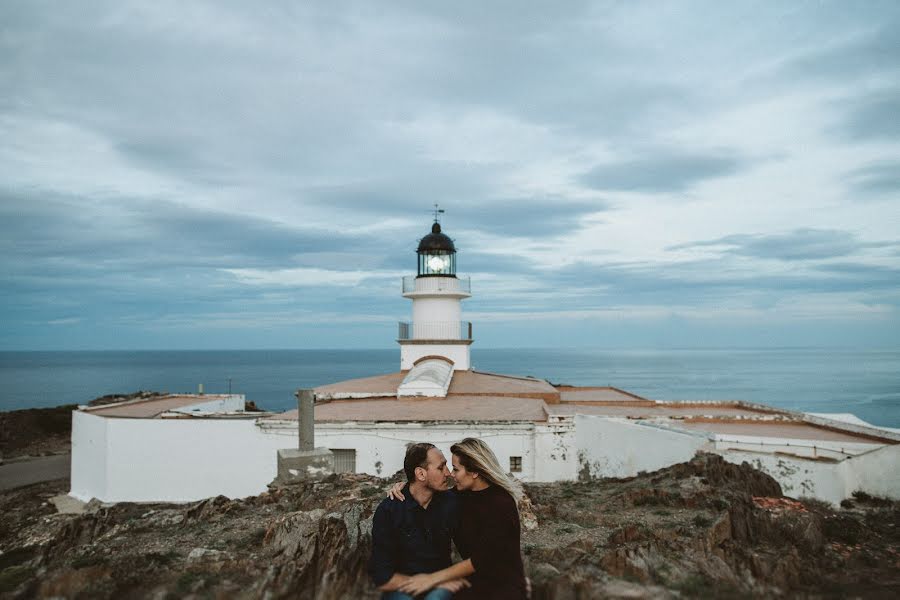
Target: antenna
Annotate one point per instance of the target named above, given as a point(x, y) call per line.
point(437, 213)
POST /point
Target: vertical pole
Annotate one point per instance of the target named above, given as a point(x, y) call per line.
point(306, 400)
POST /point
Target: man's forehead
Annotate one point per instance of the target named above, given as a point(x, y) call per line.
point(435, 456)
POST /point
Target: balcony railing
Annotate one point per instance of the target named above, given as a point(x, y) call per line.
point(435, 330)
point(437, 284)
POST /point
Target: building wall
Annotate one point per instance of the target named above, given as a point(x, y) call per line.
point(798, 477)
point(381, 447)
point(556, 456)
point(181, 460)
point(89, 456)
point(175, 460)
point(612, 447)
point(178, 460)
point(876, 473)
point(436, 310)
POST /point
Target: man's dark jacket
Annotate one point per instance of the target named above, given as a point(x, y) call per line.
point(409, 539)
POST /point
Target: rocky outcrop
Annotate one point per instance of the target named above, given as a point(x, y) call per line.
point(699, 529)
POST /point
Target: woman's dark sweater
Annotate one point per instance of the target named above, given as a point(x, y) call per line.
point(489, 535)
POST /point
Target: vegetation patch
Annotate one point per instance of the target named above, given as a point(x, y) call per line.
point(13, 577)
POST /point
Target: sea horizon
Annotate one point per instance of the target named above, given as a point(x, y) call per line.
point(863, 382)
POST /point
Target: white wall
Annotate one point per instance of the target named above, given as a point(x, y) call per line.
point(179, 460)
point(610, 447)
point(380, 447)
point(798, 477)
point(555, 450)
point(431, 310)
point(876, 473)
point(89, 452)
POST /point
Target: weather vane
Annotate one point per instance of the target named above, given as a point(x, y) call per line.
point(437, 212)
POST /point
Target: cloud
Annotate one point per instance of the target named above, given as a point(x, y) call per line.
point(870, 49)
point(797, 245)
point(303, 277)
point(215, 165)
point(880, 178)
point(662, 172)
point(872, 117)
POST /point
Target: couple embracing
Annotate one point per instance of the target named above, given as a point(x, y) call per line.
point(413, 527)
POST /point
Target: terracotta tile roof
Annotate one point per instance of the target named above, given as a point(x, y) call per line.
point(379, 384)
point(778, 429)
point(597, 394)
point(151, 407)
point(451, 408)
point(463, 382)
point(477, 382)
point(652, 409)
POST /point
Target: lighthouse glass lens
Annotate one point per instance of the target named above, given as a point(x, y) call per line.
point(437, 264)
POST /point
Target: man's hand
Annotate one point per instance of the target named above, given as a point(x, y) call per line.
point(396, 491)
point(393, 583)
point(417, 584)
point(454, 585)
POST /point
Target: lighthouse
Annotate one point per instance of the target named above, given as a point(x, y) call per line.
point(437, 328)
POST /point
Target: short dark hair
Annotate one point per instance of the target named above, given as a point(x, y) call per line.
point(416, 456)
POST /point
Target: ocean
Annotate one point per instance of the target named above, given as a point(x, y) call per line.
point(863, 382)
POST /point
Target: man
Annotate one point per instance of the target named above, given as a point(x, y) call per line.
point(413, 536)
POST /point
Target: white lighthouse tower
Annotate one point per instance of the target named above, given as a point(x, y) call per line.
point(436, 329)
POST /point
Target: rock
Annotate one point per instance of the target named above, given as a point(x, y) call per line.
point(67, 505)
point(207, 555)
point(527, 517)
point(294, 534)
point(632, 591)
point(693, 530)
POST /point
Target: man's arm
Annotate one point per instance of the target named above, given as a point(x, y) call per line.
point(393, 584)
point(419, 584)
point(382, 567)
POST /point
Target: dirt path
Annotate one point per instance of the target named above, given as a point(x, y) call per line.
point(35, 470)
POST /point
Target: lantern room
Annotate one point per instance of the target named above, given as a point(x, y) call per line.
point(437, 254)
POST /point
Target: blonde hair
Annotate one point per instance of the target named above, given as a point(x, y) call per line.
point(477, 457)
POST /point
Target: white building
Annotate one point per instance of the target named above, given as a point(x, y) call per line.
point(183, 448)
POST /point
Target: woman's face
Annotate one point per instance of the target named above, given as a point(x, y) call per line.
point(464, 479)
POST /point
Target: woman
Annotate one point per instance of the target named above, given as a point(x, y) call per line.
point(489, 530)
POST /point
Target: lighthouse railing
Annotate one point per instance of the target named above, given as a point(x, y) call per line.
point(435, 330)
point(437, 284)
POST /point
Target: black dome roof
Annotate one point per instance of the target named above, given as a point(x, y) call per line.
point(436, 242)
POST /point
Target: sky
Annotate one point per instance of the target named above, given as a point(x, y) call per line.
point(614, 174)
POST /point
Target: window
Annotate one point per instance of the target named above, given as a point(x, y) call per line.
point(344, 460)
point(515, 464)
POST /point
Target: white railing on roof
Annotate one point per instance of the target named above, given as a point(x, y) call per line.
point(435, 330)
point(437, 284)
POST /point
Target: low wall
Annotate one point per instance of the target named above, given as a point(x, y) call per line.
point(89, 452)
point(609, 447)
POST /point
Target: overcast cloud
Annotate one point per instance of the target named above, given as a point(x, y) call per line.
point(220, 175)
